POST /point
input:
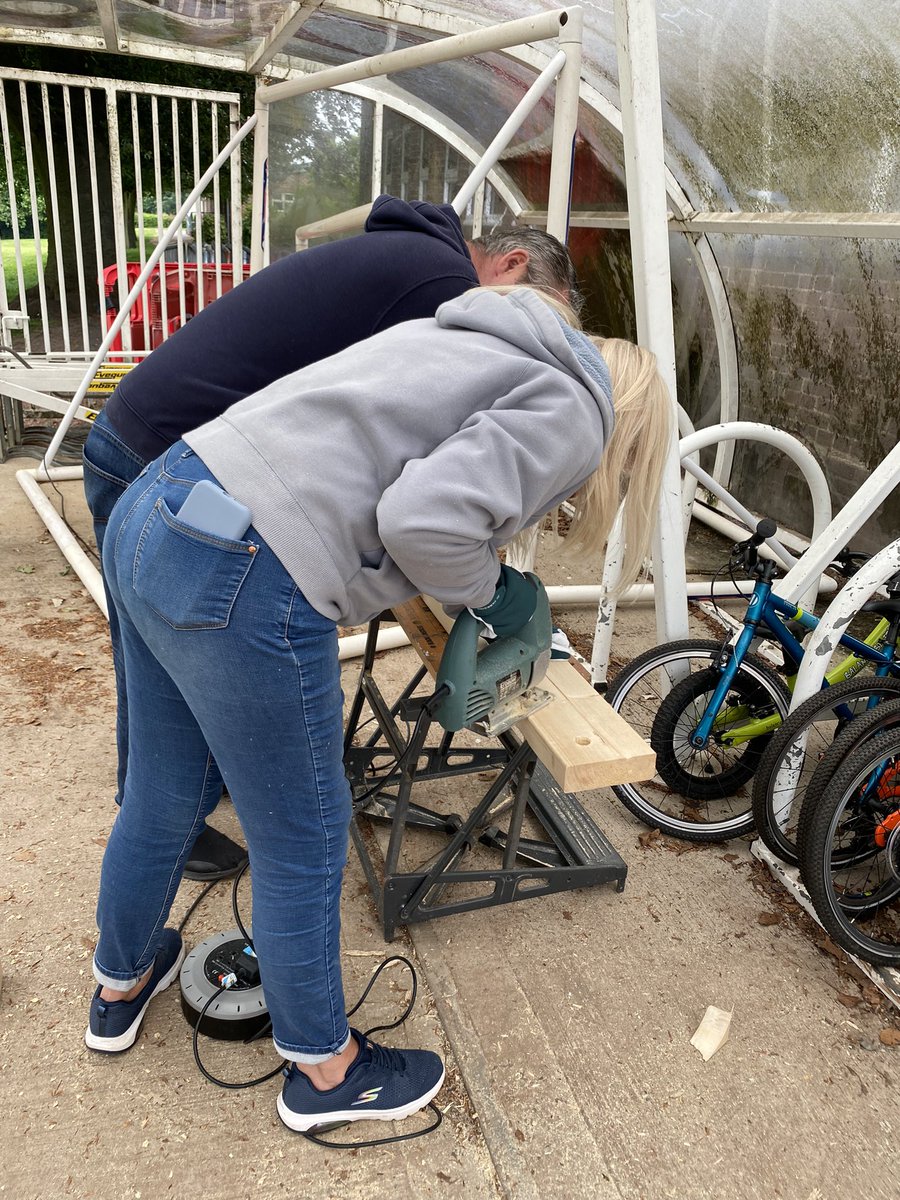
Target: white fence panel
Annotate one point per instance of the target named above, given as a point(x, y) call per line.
point(91, 172)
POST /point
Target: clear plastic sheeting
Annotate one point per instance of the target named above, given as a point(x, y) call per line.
point(766, 106)
point(226, 25)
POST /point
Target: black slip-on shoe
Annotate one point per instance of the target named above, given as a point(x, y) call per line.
point(214, 856)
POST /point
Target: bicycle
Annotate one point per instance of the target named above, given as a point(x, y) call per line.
point(710, 709)
point(849, 844)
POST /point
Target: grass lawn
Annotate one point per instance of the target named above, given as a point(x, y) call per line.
point(29, 265)
point(29, 258)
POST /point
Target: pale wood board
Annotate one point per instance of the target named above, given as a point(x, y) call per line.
point(581, 741)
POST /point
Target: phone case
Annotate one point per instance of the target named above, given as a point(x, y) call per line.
point(212, 510)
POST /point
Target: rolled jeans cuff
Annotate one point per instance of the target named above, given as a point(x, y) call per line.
point(121, 982)
point(310, 1059)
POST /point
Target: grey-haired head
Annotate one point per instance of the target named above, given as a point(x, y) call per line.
point(526, 255)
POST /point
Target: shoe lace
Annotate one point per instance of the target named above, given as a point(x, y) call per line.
point(387, 1058)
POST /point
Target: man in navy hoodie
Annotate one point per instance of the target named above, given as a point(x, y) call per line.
point(412, 257)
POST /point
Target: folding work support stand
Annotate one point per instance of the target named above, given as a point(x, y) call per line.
point(577, 853)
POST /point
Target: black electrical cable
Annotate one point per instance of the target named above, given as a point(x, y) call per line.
point(234, 904)
point(193, 908)
point(400, 1137)
point(310, 1135)
point(712, 591)
point(9, 350)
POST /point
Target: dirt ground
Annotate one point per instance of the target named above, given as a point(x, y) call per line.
point(565, 1020)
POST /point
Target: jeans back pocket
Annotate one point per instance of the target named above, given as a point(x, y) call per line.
point(189, 578)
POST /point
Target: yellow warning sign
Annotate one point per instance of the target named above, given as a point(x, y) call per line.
point(108, 378)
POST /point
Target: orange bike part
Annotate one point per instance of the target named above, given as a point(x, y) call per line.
point(886, 827)
point(889, 784)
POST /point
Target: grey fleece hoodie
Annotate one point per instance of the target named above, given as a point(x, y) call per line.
point(400, 465)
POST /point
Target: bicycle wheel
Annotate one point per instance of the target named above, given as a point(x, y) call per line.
point(849, 846)
point(699, 796)
point(805, 752)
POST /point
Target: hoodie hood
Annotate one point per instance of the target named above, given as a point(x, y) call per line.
point(416, 216)
point(524, 320)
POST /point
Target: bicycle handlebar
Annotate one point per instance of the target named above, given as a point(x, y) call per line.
point(765, 529)
point(745, 553)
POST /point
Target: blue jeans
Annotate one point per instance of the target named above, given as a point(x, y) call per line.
point(109, 467)
point(224, 657)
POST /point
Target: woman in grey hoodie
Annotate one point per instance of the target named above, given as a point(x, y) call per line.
point(398, 466)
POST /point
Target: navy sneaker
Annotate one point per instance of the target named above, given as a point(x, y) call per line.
point(381, 1085)
point(115, 1024)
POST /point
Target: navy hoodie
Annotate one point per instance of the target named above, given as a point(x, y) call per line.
point(303, 308)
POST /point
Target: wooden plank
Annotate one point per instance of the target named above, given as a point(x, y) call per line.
point(427, 635)
point(581, 741)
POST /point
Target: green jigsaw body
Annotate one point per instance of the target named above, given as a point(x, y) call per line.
point(490, 690)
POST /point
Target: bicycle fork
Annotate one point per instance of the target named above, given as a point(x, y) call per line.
point(699, 739)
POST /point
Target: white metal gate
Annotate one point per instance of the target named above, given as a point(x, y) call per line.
point(92, 170)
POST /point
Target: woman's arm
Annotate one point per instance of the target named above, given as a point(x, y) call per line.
point(443, 518)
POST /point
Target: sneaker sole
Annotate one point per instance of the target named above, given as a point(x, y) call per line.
point(303, 1122)
point(124, 1041)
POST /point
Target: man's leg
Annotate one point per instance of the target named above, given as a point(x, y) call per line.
point(109, 467)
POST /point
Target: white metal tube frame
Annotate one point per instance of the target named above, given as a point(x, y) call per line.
point(812, 472)
point(843, 526)
point(642, 139)
point(29, 479)
point(840, 612)
point(492, 154)
point(477, 41)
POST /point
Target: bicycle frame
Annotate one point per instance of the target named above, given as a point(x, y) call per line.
point(770, 611)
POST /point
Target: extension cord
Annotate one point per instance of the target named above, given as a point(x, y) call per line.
point(225, 960)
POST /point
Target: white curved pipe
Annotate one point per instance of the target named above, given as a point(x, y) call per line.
point(772, 547)
point(62, 534)
point(819, 492)
point(840, 612)
point(786, 442)
point(354, 644)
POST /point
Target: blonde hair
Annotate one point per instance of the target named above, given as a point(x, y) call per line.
point(631, 469)
point(552, 299)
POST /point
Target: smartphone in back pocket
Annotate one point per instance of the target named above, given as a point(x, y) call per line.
point(210, 510)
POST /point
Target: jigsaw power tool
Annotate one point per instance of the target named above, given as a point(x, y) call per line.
point(490, 690)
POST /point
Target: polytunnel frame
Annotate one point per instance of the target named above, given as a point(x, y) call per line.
point(636, 46)
point(640, 122)
point(562, 24)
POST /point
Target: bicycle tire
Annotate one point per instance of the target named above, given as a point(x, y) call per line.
point(824, 750)
point(638, 694)
point(712, 777)
point(867, 890)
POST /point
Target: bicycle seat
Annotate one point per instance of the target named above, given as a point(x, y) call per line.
point(884, 608)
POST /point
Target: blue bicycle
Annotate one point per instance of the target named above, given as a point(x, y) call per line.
point(711, 710)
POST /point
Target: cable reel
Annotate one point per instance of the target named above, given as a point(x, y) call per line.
point(224, 961)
